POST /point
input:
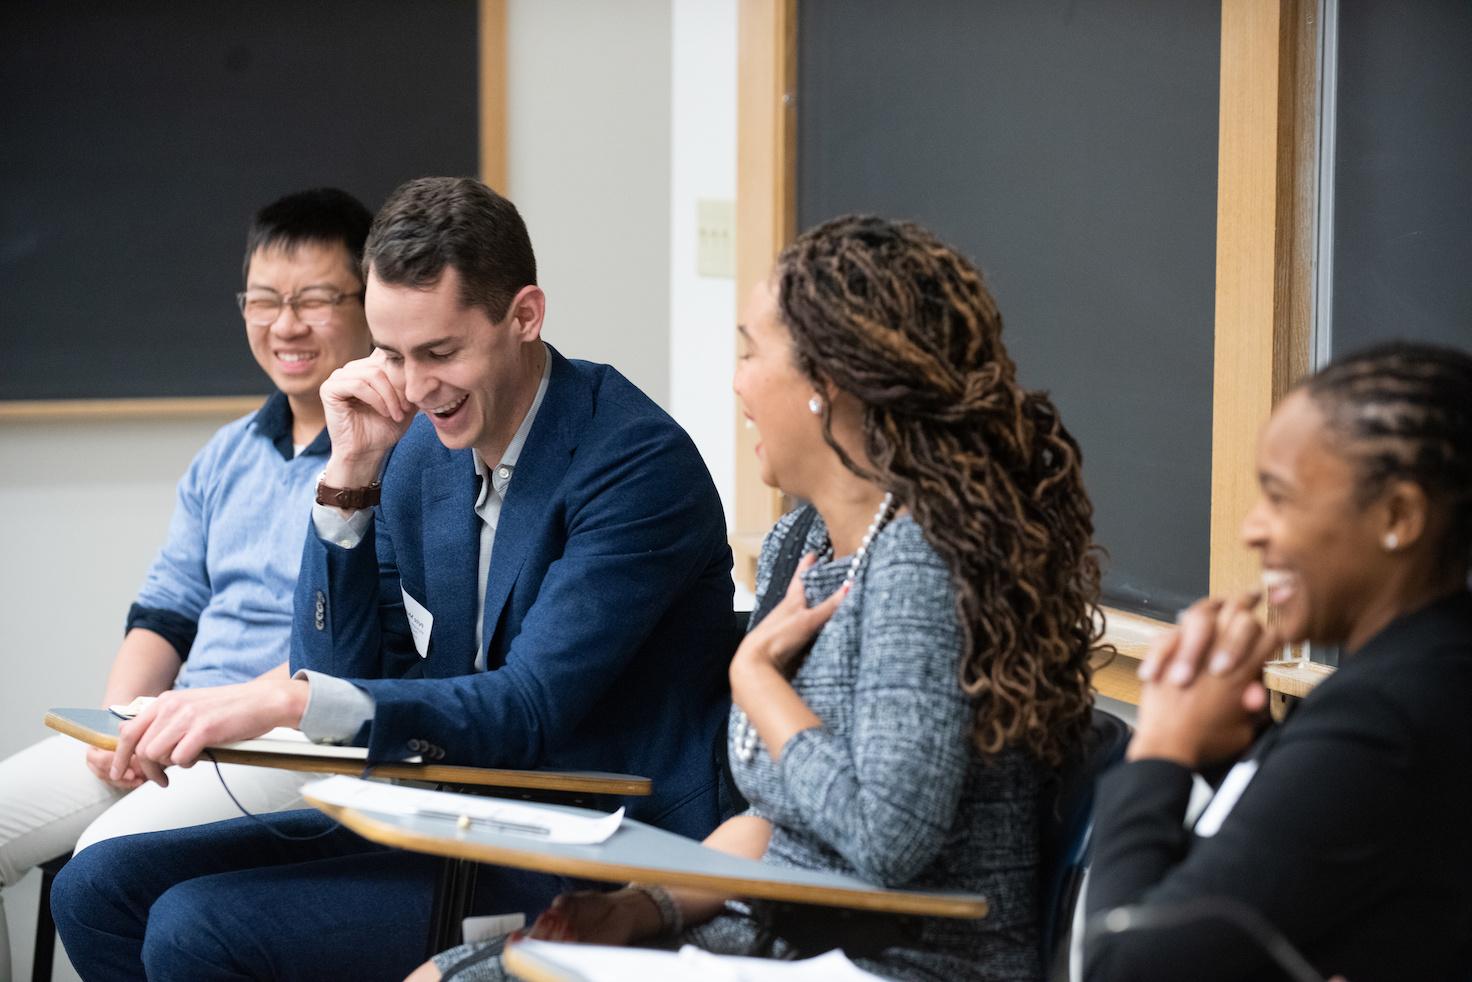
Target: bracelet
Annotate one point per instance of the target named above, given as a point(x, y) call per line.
point(671, 921)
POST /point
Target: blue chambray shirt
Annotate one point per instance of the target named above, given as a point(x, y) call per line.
point(220, 589)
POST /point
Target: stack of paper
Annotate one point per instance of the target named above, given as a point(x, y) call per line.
point(600, 963)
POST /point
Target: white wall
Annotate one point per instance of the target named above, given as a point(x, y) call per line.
point(83, 507)
point(588, 138)
point(703, 165)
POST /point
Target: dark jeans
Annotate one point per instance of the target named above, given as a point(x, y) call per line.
point(232, 901)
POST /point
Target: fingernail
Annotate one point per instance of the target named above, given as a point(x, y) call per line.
point(1146, 671)
point(1180, 673)
point(1221, 662)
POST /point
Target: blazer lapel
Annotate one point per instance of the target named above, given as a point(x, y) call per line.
point(451, 536)
point(533, 489)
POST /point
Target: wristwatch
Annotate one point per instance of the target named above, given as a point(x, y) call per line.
point(348, 499)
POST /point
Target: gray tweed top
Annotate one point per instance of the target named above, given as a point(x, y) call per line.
point(889, 788)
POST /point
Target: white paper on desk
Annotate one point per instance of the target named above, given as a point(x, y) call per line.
point(601, 963)
point(563, 829)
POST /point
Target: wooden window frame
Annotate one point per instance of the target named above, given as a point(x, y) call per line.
point(1266, 194)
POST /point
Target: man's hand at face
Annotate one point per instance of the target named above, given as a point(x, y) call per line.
point(179, 725)
point(366, 415)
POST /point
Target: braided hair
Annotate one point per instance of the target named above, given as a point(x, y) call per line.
point(1403, 412)
point(890, 314)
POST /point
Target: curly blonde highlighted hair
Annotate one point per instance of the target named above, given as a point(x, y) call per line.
point(889, 313)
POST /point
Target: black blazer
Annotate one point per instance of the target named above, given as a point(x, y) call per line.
point(1354, 838)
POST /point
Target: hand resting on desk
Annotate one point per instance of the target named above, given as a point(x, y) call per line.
point(180, 724)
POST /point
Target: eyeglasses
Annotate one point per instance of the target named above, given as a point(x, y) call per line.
point(313, 306)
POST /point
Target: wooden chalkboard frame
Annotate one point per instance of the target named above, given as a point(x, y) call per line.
point(1266, 193)
point(492, 140)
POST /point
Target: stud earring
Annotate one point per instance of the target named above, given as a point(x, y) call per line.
point(1391, 541)
point(815, 406)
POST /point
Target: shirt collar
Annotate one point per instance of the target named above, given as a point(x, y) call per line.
point(501, 474)
point(273, 421)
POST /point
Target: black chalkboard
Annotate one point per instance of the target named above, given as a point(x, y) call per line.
point(1070, 149)
point(1402, 199)
point(140, 137)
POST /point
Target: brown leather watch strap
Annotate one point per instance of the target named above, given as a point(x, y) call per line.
point(348, 499)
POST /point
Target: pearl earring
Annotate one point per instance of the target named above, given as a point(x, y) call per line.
point(1391, 541)
point(815, 406)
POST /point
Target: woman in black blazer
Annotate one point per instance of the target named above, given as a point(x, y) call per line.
point(1349, 827)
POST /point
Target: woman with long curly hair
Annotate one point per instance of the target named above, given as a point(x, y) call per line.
point(901, 697)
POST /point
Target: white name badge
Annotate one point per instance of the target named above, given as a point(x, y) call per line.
point(1226, 798)
point(420, 622)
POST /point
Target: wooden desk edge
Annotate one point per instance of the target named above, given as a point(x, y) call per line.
point(1295, 678)
point(1131, 635)
point(891, 901)
point(77, 731)
point(623, 786)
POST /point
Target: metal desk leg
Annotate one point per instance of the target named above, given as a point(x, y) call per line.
point(455, 883)
point(454, 888)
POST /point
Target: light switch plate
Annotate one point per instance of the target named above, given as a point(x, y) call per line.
point(715, 238)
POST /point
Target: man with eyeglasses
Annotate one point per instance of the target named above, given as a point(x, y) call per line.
point(216, 605)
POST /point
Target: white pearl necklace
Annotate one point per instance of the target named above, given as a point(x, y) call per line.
point(745, 741)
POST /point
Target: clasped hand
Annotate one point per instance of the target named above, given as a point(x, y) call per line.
point(1198, 717)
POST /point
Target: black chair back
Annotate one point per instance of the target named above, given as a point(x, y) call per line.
point(1066, 818)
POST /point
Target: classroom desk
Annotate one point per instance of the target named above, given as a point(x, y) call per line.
point(99, 728)
point(641, 853)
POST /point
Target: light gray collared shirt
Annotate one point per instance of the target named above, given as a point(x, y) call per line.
point(337, 709)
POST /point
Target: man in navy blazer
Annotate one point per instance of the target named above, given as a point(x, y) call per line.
point(545, 582)
point(610, 570)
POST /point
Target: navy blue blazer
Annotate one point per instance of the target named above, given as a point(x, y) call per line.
point(609, 591)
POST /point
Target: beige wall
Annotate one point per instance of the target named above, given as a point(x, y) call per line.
point(588, 139)
point(83, 508)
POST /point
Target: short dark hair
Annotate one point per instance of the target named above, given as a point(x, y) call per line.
point(434, 222)
point(1403, 411)
point(326, 216)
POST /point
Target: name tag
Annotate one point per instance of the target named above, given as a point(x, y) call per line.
point(1226, 798)
point(420, 622)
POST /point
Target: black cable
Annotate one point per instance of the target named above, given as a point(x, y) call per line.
point(267, 825)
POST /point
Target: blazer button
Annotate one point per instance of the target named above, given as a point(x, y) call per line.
point(321, 619)
point(438, 753)
point(416, 745)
